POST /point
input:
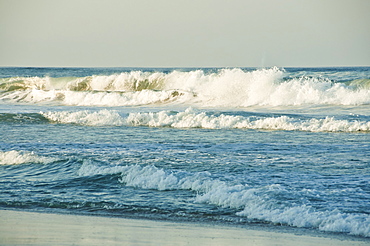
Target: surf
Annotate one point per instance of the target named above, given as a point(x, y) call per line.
point(252, 203)
point(216, 88)
point(192, 118)
point(15, 157)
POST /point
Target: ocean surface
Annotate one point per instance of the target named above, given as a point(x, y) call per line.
point(270, 147)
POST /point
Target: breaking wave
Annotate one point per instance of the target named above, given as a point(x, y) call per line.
point(90, 118)
point(15, 157)
point(253, 203)
point(193, 119)
point(223, 88)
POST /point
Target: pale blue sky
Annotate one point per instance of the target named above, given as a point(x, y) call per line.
point(185, 33)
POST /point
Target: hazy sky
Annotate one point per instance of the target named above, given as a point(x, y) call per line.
point(185, 33)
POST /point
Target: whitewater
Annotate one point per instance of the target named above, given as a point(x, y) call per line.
point(255, 147)
point(222, 88)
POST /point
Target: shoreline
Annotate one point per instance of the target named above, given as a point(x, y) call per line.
point(35, 228)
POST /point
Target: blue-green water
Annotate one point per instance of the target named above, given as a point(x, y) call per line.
point(275, 147)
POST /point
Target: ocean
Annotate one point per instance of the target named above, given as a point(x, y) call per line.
point(265, 147)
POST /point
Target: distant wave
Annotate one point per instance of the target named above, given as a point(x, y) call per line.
point(224, 88)
point(193, 119)
point(254, 203)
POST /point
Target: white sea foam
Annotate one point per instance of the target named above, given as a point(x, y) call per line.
point(306, 216)
point(151, 177)
point(190, 118)
point(15, 157)
point(91, 118)
point(253, 203)
point(258, 205)
point(143, 97)
point(224, 88)
point(89, 98)
point(31, 96)
point(89, 169)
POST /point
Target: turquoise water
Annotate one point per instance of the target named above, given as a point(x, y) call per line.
point(268, 147)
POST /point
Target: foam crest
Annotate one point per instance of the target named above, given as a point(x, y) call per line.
point(253, 203)
point(151, 177)
point(187, 119)
point(91, 118)
point(191, 119)
point(126, 81)
point(306, 216)
point(91, 98)
point(15, 157)
point(129, 81)
point(143, 97)
point(89, 169)
point(303, 91)
point(32, 96)
point(256, 204)
point(23, 83)
point(238, 88)
point(219, 88)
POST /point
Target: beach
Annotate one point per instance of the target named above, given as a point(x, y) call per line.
point(31, 228)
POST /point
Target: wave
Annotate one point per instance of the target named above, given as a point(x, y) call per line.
point(90, 118)
point(190, 118)
point(221, 88)
point(360, 83)
point(15, 157)
point(73, 98)
point(253, 203)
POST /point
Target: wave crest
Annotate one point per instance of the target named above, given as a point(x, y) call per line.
point(253, 203)
point(15, 157)
point(221, 88)
point(99, 118)
point(192, 119)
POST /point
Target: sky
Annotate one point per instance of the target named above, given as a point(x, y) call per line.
point(184, 33)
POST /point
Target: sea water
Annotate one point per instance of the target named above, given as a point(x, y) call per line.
point(273, 147)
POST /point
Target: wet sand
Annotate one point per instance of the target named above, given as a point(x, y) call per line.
point(29, 228)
